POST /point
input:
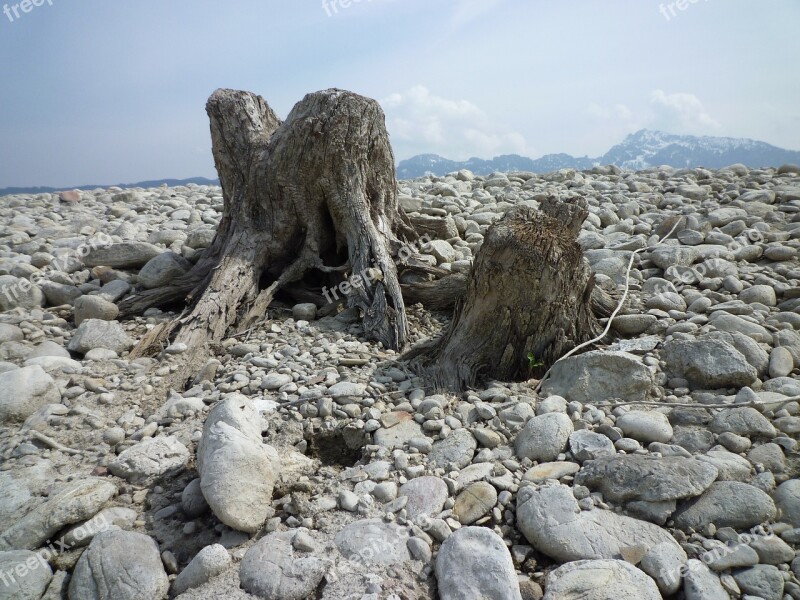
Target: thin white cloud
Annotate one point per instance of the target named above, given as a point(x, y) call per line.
point(679, 113)
point(682, 110)
point(456, 129)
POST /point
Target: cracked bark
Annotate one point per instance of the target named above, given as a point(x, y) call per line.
point(301, 198)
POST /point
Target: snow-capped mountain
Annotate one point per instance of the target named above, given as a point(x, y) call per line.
point(637, 151)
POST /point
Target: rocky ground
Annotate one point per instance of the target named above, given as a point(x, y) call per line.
point(306, 462)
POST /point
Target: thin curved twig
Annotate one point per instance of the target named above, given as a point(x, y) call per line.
point(616, 311)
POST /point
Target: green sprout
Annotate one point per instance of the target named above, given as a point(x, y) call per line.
point(534, 362)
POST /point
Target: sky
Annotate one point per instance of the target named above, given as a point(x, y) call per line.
point(102, 92)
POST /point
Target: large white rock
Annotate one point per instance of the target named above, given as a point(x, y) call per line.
point(23, 391)
point(237, 470)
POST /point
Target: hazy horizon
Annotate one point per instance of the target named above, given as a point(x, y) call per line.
point(116, 93)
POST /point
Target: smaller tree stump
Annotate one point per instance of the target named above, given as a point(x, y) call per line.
point(528, 301)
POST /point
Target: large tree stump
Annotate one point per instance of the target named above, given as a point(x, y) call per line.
point(315, 194)
point(528, 301)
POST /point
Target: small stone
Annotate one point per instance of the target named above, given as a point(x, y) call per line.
point(646, 426)
point(727, 504)
point(94, 333)
point(150, 458)
point(304, 312)
point(272, 569)
point(474, 502)
point(207, 564)
point(544, 437)
point(781, 362)
point(426, 496)
point(456, 449)
point(588, 445)
point(94, 307)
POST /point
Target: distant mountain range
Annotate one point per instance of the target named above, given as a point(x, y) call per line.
point(142, 184)
point(640, 150)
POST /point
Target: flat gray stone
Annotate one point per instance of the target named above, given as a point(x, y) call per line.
point(95, 333)
point(70, 503)
point(646, 426)
point(398, 435)
point(745, 421)
point(119, 565)
point(274, 569)
point(457, 449)
point(475, 564)
point(373, 542)
point(762, 581)
point(599, 580)
point(24, 575)
point(599, 376)
point(589, 445)
point(426, 496)
point(554, 524)
point(647, 478)
point(150, 458)
point(730, 557)
point(727, 504)
point(707, 364)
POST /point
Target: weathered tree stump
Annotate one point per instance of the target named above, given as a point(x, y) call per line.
point(315, 194)
point(528, 301)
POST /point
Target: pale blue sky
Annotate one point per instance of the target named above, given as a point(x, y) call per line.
point(99, 91)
